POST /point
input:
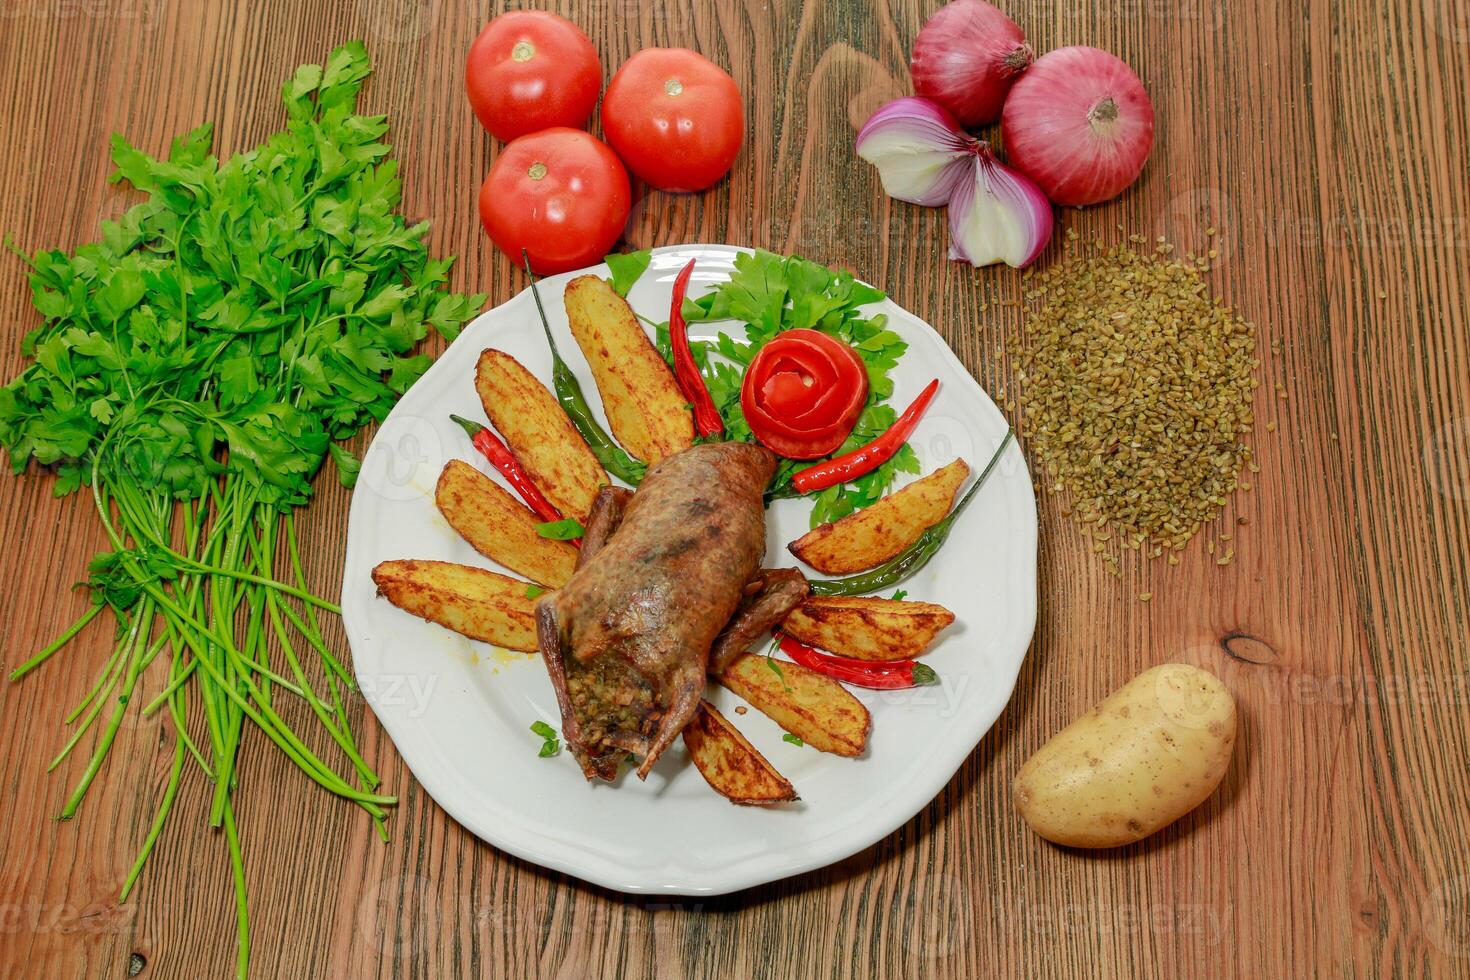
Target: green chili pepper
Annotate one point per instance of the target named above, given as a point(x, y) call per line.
point(916, 555)
point(569, 393)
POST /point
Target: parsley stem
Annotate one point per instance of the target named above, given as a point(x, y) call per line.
point(177, 680)
point(242, 909)
point(271, 723)
point(165, 806)
point(97, 698)
point(57, 643)
point(104, 746)
point(317, 707)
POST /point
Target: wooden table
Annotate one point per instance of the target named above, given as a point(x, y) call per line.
point(1326, 141)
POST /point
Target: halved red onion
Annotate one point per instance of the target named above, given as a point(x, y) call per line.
point(920, 151)
point(999, 215)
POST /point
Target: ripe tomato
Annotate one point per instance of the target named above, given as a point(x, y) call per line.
point(675, 118)
point(560, 194)
point(530, 70)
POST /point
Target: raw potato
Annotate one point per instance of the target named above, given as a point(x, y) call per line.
point(474, 602)
point(499, 526)
point(811, 706)
point(731, 764)
point(1139, 760)
point(539, 433)
point(645, 409)
point(876, 533)
point(867, 628)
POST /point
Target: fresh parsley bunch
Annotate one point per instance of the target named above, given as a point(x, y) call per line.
point(193, 369)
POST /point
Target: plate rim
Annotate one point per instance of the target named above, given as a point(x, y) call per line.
point(888, 816)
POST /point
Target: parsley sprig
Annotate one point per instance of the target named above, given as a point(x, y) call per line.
point(193, 370)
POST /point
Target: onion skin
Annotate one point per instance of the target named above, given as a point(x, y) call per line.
point(998, 215)
point(919, 149)
point(1080, 124)
point(966, 58)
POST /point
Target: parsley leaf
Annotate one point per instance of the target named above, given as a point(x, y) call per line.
point(792, 739)
point(566, 529)
point(348, 465)
point(627, 268)
point(775, 666)
point(550, 743)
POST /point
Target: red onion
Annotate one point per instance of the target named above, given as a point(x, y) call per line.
point(1080, 124)
point(966, 58)
point(919, 150)
point(998, 215)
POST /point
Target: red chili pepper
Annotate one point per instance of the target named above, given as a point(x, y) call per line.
point(882, 675)
point(706, 417)
point(866, 459)
point(499, 454)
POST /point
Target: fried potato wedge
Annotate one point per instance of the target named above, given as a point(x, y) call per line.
point(867, 628)
point(474, 602)
point(539, 433)
point(875, 534)
point(730, 764)
point(811, 706)
point(645, 409)
point(499, 526)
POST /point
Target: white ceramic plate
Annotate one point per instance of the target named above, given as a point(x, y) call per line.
point(459, 711)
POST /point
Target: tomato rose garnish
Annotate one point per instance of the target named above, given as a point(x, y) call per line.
point(803, 393)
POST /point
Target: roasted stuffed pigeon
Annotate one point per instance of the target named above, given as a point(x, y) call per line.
point(666, 576)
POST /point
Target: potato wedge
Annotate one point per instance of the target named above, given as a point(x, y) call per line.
point(499, 526)
point(875, 534)
point(474, 602)
point(539, 433)
point(867, 628)
point(811, 706)
point(645, 409)
point(731, 764)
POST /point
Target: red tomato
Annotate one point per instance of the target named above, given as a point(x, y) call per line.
point(674, 117)
point(560, 194)
point(803, 393)
point(531, 70)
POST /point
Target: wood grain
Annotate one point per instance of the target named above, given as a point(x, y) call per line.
point(1327, 142)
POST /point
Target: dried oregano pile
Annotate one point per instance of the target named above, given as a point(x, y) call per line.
point(1136, 393)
